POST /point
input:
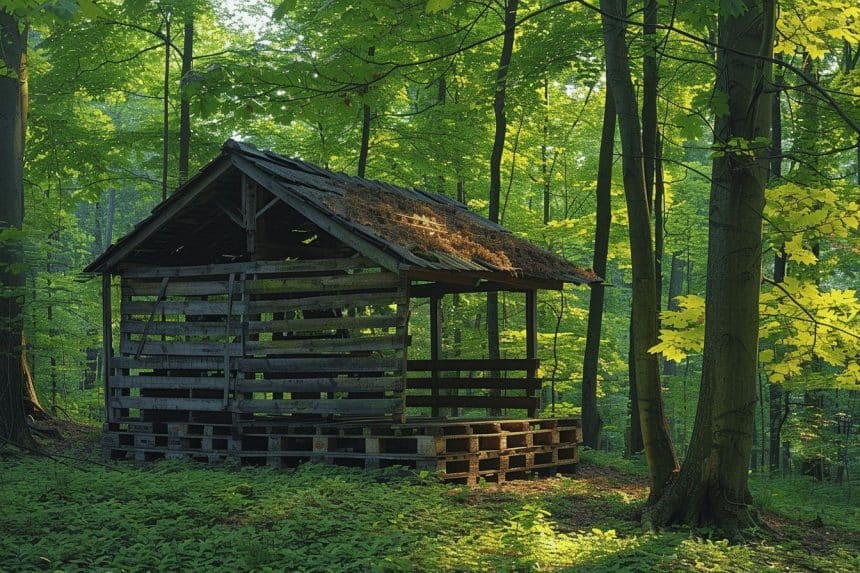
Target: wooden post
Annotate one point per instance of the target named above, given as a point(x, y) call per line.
point(249, 213)
point(435, 348)
point(531, 339)
point(107, 341)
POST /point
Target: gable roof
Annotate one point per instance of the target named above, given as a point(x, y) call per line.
point(401, 229)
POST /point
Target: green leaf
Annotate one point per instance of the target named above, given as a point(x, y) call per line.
point(283, 9)
point(434, 6)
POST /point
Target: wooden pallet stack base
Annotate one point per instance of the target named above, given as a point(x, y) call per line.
point(464, 451)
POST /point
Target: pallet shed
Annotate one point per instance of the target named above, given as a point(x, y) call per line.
point(267, 301)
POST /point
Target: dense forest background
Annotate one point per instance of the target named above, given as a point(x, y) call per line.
point(126, 99)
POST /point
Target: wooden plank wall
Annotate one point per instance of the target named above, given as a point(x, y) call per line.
point(222, 343)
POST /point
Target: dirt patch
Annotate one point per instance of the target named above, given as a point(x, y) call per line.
point(815, 537)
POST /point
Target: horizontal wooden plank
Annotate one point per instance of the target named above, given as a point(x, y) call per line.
point(278, 347)
point(147, 403)
point(474, 365)
point(219, 307)
point(355, 407)
point(519, 402)
point(367, 384)
point(476, 383)
point(219, 328)
point(344, 365)
point(177, 382)
point(252, 267)
point(354, 282)
point(130, 347)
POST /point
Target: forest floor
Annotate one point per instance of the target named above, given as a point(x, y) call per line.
point(70, 513)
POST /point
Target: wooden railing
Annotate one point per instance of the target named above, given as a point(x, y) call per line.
point(495, 385)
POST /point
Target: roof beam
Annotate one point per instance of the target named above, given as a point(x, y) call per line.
point(317, 217)
point(160, 216)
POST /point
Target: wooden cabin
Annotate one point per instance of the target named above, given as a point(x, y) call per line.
point(264, 318)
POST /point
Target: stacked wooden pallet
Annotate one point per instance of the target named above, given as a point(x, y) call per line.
point(458, 450)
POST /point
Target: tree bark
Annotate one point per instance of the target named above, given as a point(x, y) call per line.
point(676, 281)
point(366, 117)
point(184, 101)
point(165, 120)
point(776, 394)
point(662, 463)
point(712, 485)
point(13, 416)
point(591, 421)
point(493, 346)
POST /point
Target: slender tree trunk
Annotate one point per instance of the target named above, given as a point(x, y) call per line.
point(712, 485)
point(366, 117)
point(676, 281)
point(655, 431)
point(13, 416)
point(545, 176)
point(776, 393)
point(165, 121)
point(493, 347)
point(184, 102)
point(591, 422)
point(649, 97)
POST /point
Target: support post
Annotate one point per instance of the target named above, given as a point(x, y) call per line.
point(107, 341)
point(249, 213)
point(435, 348)
point(531, 339)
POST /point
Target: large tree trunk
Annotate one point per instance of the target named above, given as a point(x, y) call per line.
point(712, 485)
point(493, 347)
point(662, 463)
point(591, 422)
point(13, 416)
point(184, 101)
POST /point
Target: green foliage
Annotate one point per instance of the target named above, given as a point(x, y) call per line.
point(319, 518)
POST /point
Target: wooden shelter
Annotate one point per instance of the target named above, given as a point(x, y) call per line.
point(264, 316)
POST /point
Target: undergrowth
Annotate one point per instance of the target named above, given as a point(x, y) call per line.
point(185, 517)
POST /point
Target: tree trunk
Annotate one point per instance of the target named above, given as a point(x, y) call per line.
point(493, 347)
point(184, 102)
point(776, 394)
point(662, 463)
point(545, 176)
point(712, 485)
point(591, 422)
point(366, 117)
point(676, 281)
point(13, 416)
point(165, 120)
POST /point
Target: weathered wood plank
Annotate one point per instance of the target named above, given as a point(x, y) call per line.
point(474, 364)
point(252, 267)
point(355, 407)
point(299, 346)
point(168, 382)
point(147, 403)
point(267, 286)
point(212, 308)
point(339, 364)
point(369, 384)
point(518, 402)
point(475, 383)
point(218, 328)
